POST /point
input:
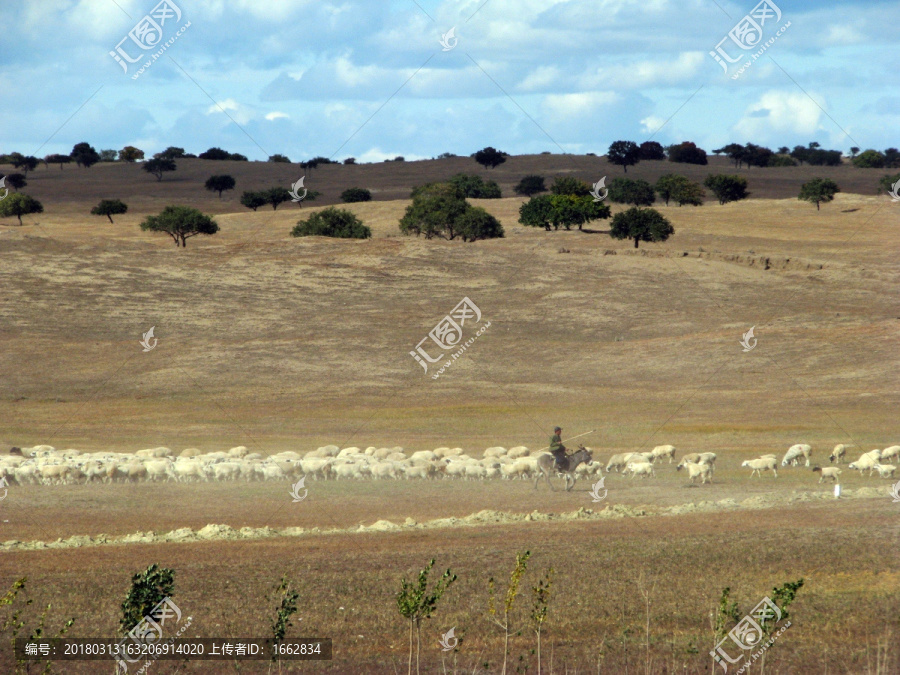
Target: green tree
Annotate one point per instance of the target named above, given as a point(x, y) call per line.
point(490, 158)
point(886, 184)
point(641, 225)
point(512, 590)
point(689, 193)
point(476, 223)
point(19, 205)
point(818, 190)
point(530, 185)
point(332, 222)
point(475, 187)
point(569, 210)
point(216, 154)
point(148, 588)
point(537, 212)
point(666, 185)
point(435, 211)
point(687, 153)
point(109, 208)
point(108, 155)
point(130, 154)
point(892, 158)
point(854, 151)
point(180, 223)
point(416, 603)
point(782, 160)
point(869, 159)
point(16, 181)
point(624, 153)
point(727, 188)
point(25, 163)
point(84, 155)
point(652, 150)
point(356, 195)
point(219, 184)
point(253, 200)
point(569, 185)
point(287, 606)
point(280, 159)
point(171, 152)
point(350, 160)
point(277, 195)
point(58, 159)
point(635, 192)
point(159, 166)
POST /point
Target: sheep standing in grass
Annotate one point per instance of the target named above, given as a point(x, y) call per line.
point(837, 455)
point(867, 460)
point(642, 469)
point(885, 470)
point(831, 472)
point(893, 452)
point(760, 465)
point(703, 470)
point(616, 462)
point(661, 451)
point(795, 452)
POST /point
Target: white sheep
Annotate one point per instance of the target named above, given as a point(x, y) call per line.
point(616, 462)
point(642, 469)
point(496, 451)
point(885, 470)
point(891, 452)
point(238, 451)
point(185, 470)
point(795, 452)
point(760, 465)
point(661, 451)
point(831, 472)
point(693, 457)
point(837, 455)
point(703, 470)
point(866, 461)
point(708, 458)
point(517, 451)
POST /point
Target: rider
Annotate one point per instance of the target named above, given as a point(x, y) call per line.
point(558, 450)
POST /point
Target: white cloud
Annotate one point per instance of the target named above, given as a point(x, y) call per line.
point(651, 124)
point(778, 113)
point(277, 115)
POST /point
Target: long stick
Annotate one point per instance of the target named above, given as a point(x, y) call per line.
point(571, 439)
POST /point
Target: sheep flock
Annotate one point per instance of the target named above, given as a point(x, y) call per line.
point(45, 465)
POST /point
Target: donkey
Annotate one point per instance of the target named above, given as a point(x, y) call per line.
point(547, 464)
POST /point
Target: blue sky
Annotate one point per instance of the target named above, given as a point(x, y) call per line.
point(370, 79)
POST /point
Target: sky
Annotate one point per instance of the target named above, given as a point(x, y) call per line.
point(371, 79)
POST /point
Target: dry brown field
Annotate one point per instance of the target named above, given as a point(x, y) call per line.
point(278, 343)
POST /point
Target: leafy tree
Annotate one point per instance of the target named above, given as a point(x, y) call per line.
point(130, 154)
point(159, 166)
point(869, 159)
point(818, 190)
point(537, 212)
point(784, 150)
point(886, 184)
point(540, 595)
point(280, 159)
point(624, 153)
point(652, 150)
point(356, 195)
point(253, 200)
point(215, 153)
point(109, 208)
point(689, 193)
point(854, 151)
point(782, 160)
point(627, 191)
point(512, 590)
point(332, 222)
point(108, 155)
point(435, 211)
point(287, 607)
point(220, 184)
point(476, 187)
point(561, 210)
point(148, 588)
point(180, 223)
point(727, 188)
point(476, 223)
point(734, 151)
point(800, 153)
point(446, 155)
point(19, 205)
point(687, 153)
point(171, 152)
point(530, 185)
point(667, 184)
point(25, 163)
point(569, 185)
point(757, 155)
point(399, 159)
point(16, 181)
point(14, 158)
point(490, 158)
point(84, 155)
point(57, 159)
point(892, 158)
point(277, 195)
point(641, 225)
point(350, 160)
point(415, 603)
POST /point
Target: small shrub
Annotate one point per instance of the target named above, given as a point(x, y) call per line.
point(332, 222)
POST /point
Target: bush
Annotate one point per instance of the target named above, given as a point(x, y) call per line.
point(148, 588)
point(687, 153)
point(569, 185)
point(476, 223)
point(19, 205)
point(566, 210)
point(219, 154)
point(530, 185)
point(356, 195)
point(332, 222)
point(727, 188)
point(782, 160)
point(627, 191)
point(869, 159)
point(490, 158)
point(441, 210)
point(475, 187)
point(281, 159)
point(350, 160)
point(651, 150)
point(886, 184)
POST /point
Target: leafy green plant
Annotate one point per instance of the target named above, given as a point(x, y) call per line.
point(512, 590)
point(415, 603)
point(540, 595)
point(287, 607)
point(148, 588)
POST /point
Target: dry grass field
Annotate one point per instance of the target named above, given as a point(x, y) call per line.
point(278, 343)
